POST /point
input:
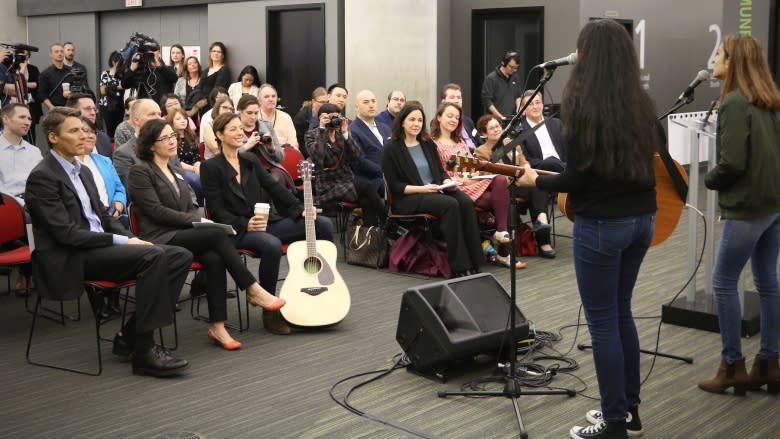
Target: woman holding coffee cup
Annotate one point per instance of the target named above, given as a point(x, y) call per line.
point(240, 192)
point(165, 212)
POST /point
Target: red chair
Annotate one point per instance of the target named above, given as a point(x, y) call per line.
point(291, 159)
point(13, 229)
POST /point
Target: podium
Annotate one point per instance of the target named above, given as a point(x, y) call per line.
point(697, 309)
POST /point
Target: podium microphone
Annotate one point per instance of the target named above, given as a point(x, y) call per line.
point(567, 60)
point(702, 76)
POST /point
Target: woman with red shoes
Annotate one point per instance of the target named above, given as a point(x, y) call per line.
point(163, 205)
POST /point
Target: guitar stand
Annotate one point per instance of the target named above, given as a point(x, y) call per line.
point(512, 387)
point(689, 360)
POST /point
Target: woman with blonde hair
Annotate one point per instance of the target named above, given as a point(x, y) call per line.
point(748, 185)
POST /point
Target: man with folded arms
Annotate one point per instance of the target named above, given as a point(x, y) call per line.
point(76, 240)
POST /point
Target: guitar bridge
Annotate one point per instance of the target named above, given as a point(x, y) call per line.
point(314, 291)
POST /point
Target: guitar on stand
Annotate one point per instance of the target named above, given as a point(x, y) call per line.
point(315, 292)
point(667, 197)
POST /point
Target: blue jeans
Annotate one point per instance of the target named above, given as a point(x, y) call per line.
point(607, 256)
point(193, 180)
point(759, 241)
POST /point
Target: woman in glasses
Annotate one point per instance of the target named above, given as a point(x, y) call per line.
point(166, 215)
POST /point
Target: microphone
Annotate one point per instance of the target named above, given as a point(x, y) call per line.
point(567, 60)
point(703, 75)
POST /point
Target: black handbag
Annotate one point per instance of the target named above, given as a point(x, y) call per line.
point(367, 246)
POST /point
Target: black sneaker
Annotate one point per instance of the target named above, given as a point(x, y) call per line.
point(633, 423)
point(602, 430)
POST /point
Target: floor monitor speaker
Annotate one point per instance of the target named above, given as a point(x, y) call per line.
point(444, 322)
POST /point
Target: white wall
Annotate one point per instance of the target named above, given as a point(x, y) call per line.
point(391, 45)
point(13, 29)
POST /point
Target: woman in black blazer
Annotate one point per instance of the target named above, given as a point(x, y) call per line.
point(163, 203)
point(413, 173)
point(233, 182)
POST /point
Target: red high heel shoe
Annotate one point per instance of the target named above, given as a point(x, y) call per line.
point(228, 346)
point(276, 305)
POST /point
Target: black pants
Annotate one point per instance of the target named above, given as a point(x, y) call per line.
point(373, 207)
point(457, 221)
point(214, 249)
point(159, 270)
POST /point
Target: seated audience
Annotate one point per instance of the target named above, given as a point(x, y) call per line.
point(395, 101)
point(274, 121)
point(17, 156)
point(233, 182)
point(189, 153)
point(488, 194)
point(489, 127)
point(143, 110)
point(370, 137)
point(333, 154)
point(223, 104)
point(125, 131)
point(76, 240)
point(307, 114)
point(413, 173)
point(111, 191)
point(452, 93)
point(166, 215)
point(248, 82)
point(171, 102)
point(85, 103)
point(544, 149)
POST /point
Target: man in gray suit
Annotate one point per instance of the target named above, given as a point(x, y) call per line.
point(77, 240)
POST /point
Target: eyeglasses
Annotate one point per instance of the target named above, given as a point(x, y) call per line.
point(398, 100)
point(167, 138)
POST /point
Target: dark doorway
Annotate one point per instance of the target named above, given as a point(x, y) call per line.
point(296, 53)
point(496, 31)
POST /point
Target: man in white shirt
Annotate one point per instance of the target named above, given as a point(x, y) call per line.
point(17, 156)
point(543, 150)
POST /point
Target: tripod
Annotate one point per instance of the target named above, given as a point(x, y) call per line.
point(512, 388)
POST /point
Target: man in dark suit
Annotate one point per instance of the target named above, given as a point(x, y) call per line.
point(76, 240)
point(544, 149)
point(370, 136)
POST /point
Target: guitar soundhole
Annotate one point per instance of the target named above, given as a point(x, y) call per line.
point(312, 265)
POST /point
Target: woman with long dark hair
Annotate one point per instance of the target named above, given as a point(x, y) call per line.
point(746, 178)
point(610, 136)
point(248, 83)
point(414, 174)
point(166, 215)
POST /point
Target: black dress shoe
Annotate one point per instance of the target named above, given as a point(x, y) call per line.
point(158, 362)
point(122, 347)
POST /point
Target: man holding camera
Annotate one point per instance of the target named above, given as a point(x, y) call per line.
point(333, 153)
point(150, 76)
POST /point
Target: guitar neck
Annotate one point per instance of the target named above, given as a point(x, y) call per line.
point(470, 164)
point(308, 215)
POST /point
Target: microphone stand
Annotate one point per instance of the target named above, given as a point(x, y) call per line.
point(512, 387)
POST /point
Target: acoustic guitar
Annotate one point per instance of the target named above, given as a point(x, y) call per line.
point(668, 200)
point(315, 292)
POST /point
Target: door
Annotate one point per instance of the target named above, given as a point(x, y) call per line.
point(497, 31)
point(296, 53)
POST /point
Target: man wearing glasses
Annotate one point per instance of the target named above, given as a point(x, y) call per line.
point(86, 104)
point(395, 101)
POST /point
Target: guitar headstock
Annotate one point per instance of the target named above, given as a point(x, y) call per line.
point(306, 169)
point(465, 164)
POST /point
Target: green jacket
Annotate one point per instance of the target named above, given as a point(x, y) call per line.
point(747, 175)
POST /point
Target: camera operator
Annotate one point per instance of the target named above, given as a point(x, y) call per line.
point(5, 87)
point(55, 81)
point(333, 153)
point(150, 76)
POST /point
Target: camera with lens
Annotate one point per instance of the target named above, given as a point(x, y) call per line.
point(78, 81)
point(140, 48)
point(266, 139)
point(18, 55)
point(335, 121)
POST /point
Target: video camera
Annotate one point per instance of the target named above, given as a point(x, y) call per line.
point(78, 81)
point(140, 47)
point(17, 56)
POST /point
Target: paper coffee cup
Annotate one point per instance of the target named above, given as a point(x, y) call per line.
point(65, 87)
point(262, 209)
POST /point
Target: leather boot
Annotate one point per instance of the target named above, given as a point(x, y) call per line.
point(275, 323)
point(729, 375)
point(765, 372)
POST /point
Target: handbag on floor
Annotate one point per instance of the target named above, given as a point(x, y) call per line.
point(525, 243)
point(366, 246)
